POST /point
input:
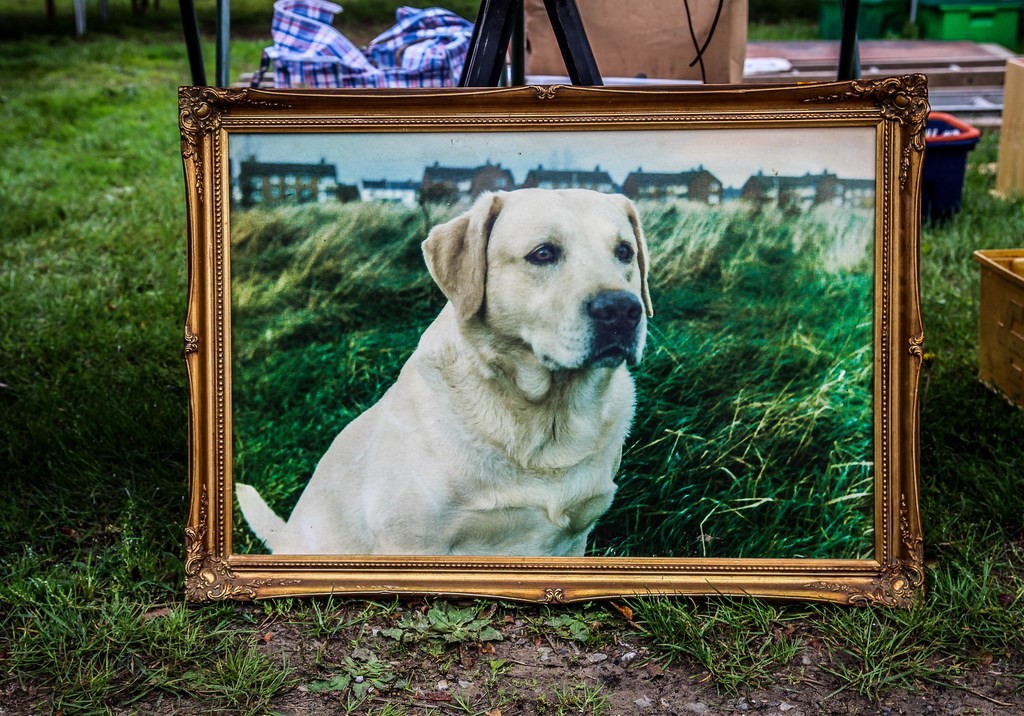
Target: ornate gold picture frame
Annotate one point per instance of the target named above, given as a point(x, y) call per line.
point(774, 231)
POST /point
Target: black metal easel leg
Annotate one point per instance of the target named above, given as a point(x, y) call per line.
point(190, 26)
point(517, 53)
point(849, 57)
point(491, 34)
point(494, 28)
point(572, 41)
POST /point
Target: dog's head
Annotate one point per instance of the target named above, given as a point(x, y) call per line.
point(563, 272)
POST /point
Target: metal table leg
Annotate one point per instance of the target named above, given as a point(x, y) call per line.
point(223, 43)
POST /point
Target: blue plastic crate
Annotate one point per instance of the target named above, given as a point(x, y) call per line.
point(947, 142)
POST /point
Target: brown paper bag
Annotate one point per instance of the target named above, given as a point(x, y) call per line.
point(647, 38)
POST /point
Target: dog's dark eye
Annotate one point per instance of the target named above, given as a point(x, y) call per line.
point(544, 254)
point(624, 253)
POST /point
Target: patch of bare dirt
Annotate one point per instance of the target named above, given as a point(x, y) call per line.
point(533, 671)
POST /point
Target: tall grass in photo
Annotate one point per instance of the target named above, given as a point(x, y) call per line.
point(753, 435)
point(328, 302)
point(753, 428)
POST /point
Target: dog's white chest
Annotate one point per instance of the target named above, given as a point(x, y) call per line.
point(531, 515)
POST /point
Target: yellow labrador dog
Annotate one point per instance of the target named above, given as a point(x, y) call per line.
point(504, 429)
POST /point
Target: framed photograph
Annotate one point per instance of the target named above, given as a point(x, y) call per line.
point(555, 343)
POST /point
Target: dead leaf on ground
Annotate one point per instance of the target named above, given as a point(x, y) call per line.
point(625, 611)
point(654, 670)
point(439, 696)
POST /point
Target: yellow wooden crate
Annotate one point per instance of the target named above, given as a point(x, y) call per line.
point(1001, 325)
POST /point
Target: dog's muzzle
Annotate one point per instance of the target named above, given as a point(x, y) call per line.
point(615, 317)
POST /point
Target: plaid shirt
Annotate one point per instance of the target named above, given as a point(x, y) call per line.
point(425, 48)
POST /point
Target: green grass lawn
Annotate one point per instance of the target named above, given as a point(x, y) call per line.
point(93, 419)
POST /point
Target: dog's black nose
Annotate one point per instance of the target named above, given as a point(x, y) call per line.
point(618, 311)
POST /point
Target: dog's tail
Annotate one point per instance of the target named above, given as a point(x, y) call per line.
point(262, 520)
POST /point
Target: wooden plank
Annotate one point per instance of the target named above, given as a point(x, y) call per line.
point(1010, 175)
point(942, 77)
point(946, 63)
point(826, 52)
point(908, 64)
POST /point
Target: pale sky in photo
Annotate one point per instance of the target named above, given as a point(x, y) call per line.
point(732, 155)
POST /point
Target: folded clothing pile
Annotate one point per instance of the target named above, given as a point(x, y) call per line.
point(425, 48)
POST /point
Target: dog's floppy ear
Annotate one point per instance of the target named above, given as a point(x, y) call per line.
point(641, 253)
point(456, 254)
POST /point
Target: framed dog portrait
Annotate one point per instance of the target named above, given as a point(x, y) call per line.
point(555, 343)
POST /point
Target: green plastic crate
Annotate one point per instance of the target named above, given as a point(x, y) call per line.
point(980, 22)
point(875, 18)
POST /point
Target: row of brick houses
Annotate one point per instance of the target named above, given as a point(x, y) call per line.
point(447, 183)
point(274, 183)
point(286, 182)
point(803, 192)
point(696, 185)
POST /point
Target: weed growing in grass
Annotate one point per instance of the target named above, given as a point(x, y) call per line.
point(582, 699)
point(361, 674)
point(583, 626)
point(325, 618)
point(445, 623)
point(496, 668)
